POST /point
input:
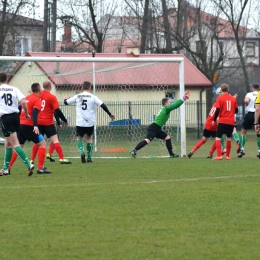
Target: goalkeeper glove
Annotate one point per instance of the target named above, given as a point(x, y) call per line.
point(186, 95)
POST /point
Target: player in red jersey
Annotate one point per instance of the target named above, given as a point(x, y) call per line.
point(29, 130)
point(209, 131)
point(226, 109)
point(49, 106)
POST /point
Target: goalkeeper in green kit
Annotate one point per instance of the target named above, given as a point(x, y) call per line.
point(155, 129)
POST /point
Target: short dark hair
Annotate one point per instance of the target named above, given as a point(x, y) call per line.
point(86, 85)
point(35, 87)
point(224, 87)
point(256, 86)
point(3, 77)
point(164, 100)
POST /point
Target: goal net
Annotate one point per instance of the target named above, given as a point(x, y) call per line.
point(131, 88)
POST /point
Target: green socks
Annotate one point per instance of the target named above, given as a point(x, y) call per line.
point(80, 146)
point(258, 143)
point(236, 137)
point(223, 142)
point(242, 141)
point(8, 156)
point(89, 149)
point(19, 150)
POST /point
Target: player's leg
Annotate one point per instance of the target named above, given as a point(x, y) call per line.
point(229, 129)
point(212, 150)
point(41, 143)
point(35, 148)
point(151, 133)
point(237, 139)
point(13, 159)
point(248, 123)
point(81, 131)
point(51, 148)
point(223, 144)
point(51, 133)
point(206, 134)
point(258, 144)
point(242, 143)
point(10, 127)
point(219, 133)
point(89, 133)
point(89, 148)
point(168, 144)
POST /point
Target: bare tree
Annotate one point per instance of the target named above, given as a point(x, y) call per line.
point(8, 17)
point(88, 19)
point(237, 12)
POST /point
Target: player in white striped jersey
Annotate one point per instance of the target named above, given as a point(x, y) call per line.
point(9, 114)
point(86, 117)
point(249, 117)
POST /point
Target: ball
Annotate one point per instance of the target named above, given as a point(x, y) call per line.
point(184, 155)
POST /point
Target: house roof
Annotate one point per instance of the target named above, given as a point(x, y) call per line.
point(74, 73)
point(19, 20)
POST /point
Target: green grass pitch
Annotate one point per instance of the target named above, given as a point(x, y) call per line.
point(156, 208)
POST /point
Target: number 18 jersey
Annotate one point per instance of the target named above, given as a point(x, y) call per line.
point(85, 108)
point(9, 97)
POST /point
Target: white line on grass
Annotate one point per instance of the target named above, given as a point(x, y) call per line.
point(132, 183)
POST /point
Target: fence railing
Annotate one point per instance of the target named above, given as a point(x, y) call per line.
point(143, 113)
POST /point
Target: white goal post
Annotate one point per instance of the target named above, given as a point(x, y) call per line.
point(119, 60)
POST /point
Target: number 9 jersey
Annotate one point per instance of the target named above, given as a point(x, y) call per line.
point(10, 96)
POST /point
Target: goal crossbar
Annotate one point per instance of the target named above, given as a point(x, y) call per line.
point(179, 60)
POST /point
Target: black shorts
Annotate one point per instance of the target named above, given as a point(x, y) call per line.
point(83, 130)
point(48, 130)
point(224, 129)
point(249, 120)
point(10, 123)
point(154, 130)
point(26, 133)
point(208, 133)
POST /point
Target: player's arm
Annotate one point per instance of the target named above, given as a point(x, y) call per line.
point(57, 119)
point(216, 114)
point(257, 114)
point(68, 100)
point(104, 107)
point(59, 114)
point(246, 101)
point(35, 120)
point(24, 105)
point(178, 103)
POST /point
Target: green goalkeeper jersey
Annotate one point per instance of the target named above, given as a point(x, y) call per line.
point(164, 113)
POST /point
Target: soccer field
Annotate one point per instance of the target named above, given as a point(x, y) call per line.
point(156, 208)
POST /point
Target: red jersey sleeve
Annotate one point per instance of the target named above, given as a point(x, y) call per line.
point(55, 103)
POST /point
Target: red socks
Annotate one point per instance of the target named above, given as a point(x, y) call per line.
point(34, 152)
point(13, 159)
point(52, 148)
point(198, 145)
point(228, 147)
point(218, 146)
point(213, 148)
point(58, 149)
point(41, 156)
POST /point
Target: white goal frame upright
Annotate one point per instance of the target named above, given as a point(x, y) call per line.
point(179, 60)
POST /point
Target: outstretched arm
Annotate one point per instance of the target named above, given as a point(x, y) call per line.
point(58, 113)
point(107, 111)
point(179, 102)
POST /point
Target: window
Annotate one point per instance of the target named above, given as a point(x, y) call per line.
point(250, 49)
point(22, 45)
point(201, 47)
